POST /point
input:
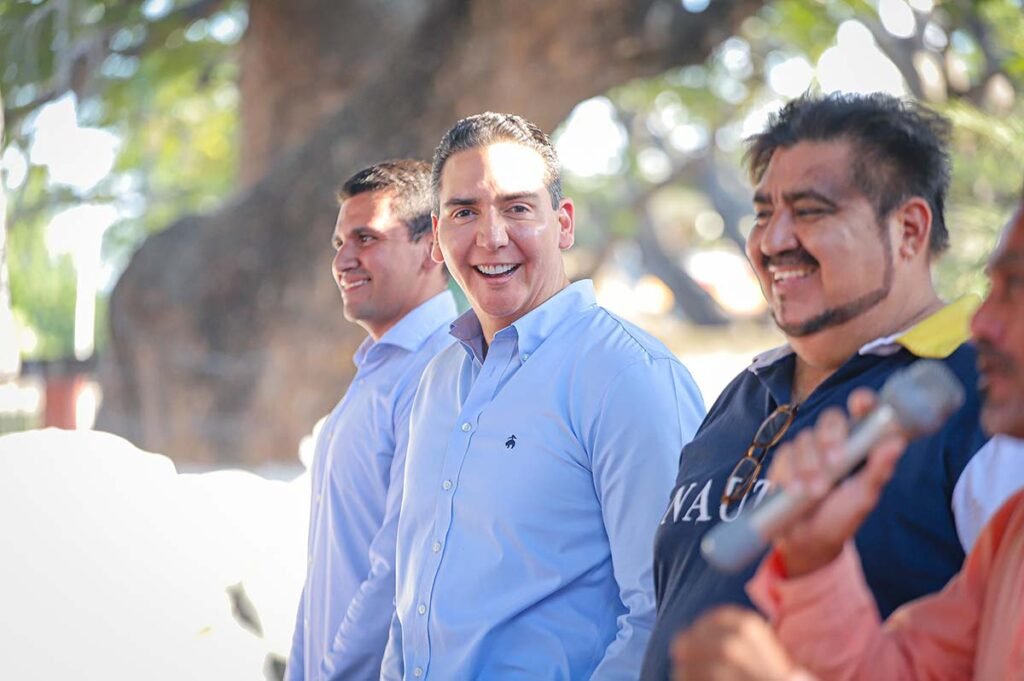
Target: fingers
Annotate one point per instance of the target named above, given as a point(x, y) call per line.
point(729, 643)
point(860, 402)
point(882, 462)
point(805, 464)
point(858, 495)
point(811, 476)
point(830, 436)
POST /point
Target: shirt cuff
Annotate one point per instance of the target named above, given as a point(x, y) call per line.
point(836, 589)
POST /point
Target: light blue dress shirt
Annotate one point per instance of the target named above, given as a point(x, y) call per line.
point(347, 601)
point(535, 480)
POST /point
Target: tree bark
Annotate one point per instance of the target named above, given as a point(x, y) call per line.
point(227, 341)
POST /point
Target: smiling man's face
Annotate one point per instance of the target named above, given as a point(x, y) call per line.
point(379, 270)
point(817, 247)
point(498, 233)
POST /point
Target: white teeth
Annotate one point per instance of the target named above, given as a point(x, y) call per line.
point(495, 269)
point(356, 284)
point(789, 274)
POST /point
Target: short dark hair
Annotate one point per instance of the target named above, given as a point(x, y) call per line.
point(407, 181)
point(490, 128)
point(900, 148)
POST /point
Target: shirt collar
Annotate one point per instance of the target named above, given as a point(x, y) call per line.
point(936, 336)
point(412, 330)
point(533, 328)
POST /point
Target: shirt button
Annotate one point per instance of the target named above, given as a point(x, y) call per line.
point(466, 427)
point(418, 672)
point(526, 356)
point(436, 546)
point(422, 609)
point(447, 484)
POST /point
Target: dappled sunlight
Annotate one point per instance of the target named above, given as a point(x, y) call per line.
point(727, 277)
point(56, 132)
point(591, 141)
point(855, 64)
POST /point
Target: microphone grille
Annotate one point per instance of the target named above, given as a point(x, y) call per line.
point(923, 395)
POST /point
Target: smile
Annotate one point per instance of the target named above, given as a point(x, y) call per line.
point(350, 285)
point(495, 270)
point(779, 275)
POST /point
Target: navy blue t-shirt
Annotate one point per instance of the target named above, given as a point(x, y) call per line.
point(908, 545)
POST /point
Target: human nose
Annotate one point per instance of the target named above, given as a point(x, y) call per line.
point(779, 235)
point(345, 258)
point(987, 324)
point(492, 232)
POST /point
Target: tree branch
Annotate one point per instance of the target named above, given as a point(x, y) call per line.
point(75, 70)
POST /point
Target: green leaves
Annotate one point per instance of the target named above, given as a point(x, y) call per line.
point(163, 83)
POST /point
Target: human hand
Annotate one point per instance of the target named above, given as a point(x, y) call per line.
point(807, 464)
point(731, 644)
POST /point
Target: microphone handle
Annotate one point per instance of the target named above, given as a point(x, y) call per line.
point(732, 546)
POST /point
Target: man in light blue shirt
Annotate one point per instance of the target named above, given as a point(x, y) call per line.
point(392, 288)
point(543, 444)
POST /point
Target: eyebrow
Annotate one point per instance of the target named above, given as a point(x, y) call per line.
point(798, 195)
point(358, 231)
point(501, 198)
point(517, 196)
point(459, 201)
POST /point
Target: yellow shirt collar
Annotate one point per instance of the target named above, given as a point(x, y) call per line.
point(941, 333)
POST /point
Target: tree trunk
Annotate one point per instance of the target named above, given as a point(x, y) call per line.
point(227, 341)
point(10, 358)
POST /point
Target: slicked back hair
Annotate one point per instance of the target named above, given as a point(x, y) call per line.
point(407, 181)
point(900, 148)
point(490, 128)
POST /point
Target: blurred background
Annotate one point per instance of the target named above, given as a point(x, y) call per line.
point(167, 175)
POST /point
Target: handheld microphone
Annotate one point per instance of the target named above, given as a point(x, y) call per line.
point(915, 400)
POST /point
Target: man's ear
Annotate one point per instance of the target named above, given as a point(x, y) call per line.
point(435, 245)
point(566, 215)
point(429, 263)
point(913, 222)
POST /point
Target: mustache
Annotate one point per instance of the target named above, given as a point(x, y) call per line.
point(797, 256)
point(991, 359)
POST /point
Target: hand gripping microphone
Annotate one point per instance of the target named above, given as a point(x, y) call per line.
point(915, 400)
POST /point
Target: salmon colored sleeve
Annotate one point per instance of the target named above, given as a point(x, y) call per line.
point(829, 624)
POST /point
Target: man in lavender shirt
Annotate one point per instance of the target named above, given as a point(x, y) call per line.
point(392, 288)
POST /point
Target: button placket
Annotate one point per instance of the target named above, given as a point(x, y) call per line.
point(481, 393)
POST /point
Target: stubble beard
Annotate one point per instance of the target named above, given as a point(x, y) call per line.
point(1005, 415)
point(841, 314)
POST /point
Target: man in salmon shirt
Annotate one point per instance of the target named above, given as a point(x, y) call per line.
point(824, 623)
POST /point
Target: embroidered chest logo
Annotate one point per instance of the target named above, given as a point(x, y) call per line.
point(510, 443)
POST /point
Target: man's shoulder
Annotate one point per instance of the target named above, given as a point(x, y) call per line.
point(435, 344)
point(735, 398)
point(446, 362)
point(962, 362)
point(414, 364)
point(603, 334)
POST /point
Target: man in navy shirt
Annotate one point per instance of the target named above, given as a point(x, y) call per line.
point(849, 219)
